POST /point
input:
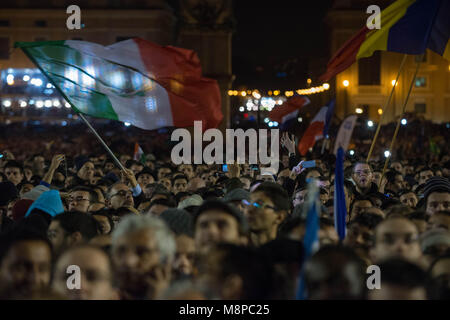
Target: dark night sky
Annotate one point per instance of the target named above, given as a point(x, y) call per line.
point(269, 33)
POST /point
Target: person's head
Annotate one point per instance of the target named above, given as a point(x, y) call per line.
point(439, 273)
point(183, 263)
point(425, 174)
point(396, 237)
point(163, 171)
point(437, 195)
point(25, 187)
point(400, 280)
point(179, 183)
point(80, 198)
point(218, 222)
point(397, 166)
point(335, 272)
point(360, 231)
point(95, 269)
point(246, 180)
point(299, 196)
point(419, 218)
point(119, 195)
point(13, 171)
point(145, 177)
point(187, 170)
point(109, 165)
point(71, 228)
point(143, 248)
point(25, 262)
point(238, 273)
point(395, 181)
point(38, 162)
point(362, 175)
point(269, 206)
point(136, 167)
point(359, 204)
point(236, 196)
point(158, 206)
point(408, 198)
point(327, 232)
point(104, 221)
point(440, 219)
point(85, 168)
point(195, 183)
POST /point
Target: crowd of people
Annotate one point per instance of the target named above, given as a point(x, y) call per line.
point(155, 230)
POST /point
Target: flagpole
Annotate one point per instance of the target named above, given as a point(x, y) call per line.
point(102, 142)
point(399, 120)
point(384, 109)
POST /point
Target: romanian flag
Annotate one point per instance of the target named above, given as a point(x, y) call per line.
point(407, 26)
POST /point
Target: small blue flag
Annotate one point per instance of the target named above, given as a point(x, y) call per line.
point(340, 209)
point(311, 239)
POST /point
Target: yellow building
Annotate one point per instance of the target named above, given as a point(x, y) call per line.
point(365, 86)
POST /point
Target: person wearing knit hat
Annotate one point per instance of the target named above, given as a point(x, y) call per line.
point(437, 195)
point(178, 220)
point(218, 222)
point(193, 201)
point(435, 242)
point(236, 196)
point(181, 224)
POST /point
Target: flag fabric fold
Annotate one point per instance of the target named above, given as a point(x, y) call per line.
point(345, 133)
point(407, 26)
point(134, 81)
point(289, 109)
point(340, 208)
point(314, 131)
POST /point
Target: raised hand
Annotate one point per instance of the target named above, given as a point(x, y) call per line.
point(288, 142)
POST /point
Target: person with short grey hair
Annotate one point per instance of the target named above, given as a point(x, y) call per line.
point(142, 250)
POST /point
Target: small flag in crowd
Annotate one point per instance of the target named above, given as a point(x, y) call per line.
point(289, 109)
point(134, 81)
point(340, 208)
point(138, 153)
point(314, 131)
point(407, 26)
point(311, 238)
point(345, 133)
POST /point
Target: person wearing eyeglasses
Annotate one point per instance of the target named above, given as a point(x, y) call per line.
point(80, 199)
point(362, 176)
point(269, 205)
point(121, 195)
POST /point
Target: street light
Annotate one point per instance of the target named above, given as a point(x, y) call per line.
point(345, 83)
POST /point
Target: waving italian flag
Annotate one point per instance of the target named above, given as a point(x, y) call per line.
point(134, 81)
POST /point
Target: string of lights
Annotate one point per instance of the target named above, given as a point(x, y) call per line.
point(289, 93)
